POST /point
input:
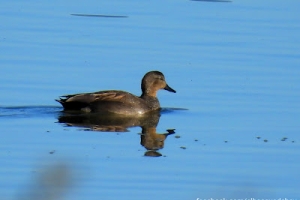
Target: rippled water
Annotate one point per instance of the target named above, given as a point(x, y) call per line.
point(230, 131)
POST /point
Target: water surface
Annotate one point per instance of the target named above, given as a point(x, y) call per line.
point(234, 65)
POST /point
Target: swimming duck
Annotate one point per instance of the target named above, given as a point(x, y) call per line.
point(120, 102)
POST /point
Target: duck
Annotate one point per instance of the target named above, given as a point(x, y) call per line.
point(117, 101)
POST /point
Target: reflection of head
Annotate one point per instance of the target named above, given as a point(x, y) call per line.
point(151, 140)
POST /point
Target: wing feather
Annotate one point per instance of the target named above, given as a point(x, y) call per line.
point(97, 96)
point(109, 96)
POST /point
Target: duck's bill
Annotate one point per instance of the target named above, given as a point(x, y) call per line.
point(169, 89)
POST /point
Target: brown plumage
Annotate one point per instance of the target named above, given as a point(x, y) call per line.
point(117, 101)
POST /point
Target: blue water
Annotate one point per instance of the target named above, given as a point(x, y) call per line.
point(234, 65)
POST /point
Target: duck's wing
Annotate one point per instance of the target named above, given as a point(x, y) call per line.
point(79, 101)
point(112, 95)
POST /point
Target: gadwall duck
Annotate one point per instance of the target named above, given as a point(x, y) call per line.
point(117, 101)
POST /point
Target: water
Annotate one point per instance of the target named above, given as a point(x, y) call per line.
point(234, 66)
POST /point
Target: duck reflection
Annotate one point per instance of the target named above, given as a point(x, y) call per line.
point(150, 139)
point(153, 141)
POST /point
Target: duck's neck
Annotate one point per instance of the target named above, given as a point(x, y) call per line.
point(149, 92)
point(152, 101)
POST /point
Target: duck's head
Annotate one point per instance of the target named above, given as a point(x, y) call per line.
point(154, 81)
